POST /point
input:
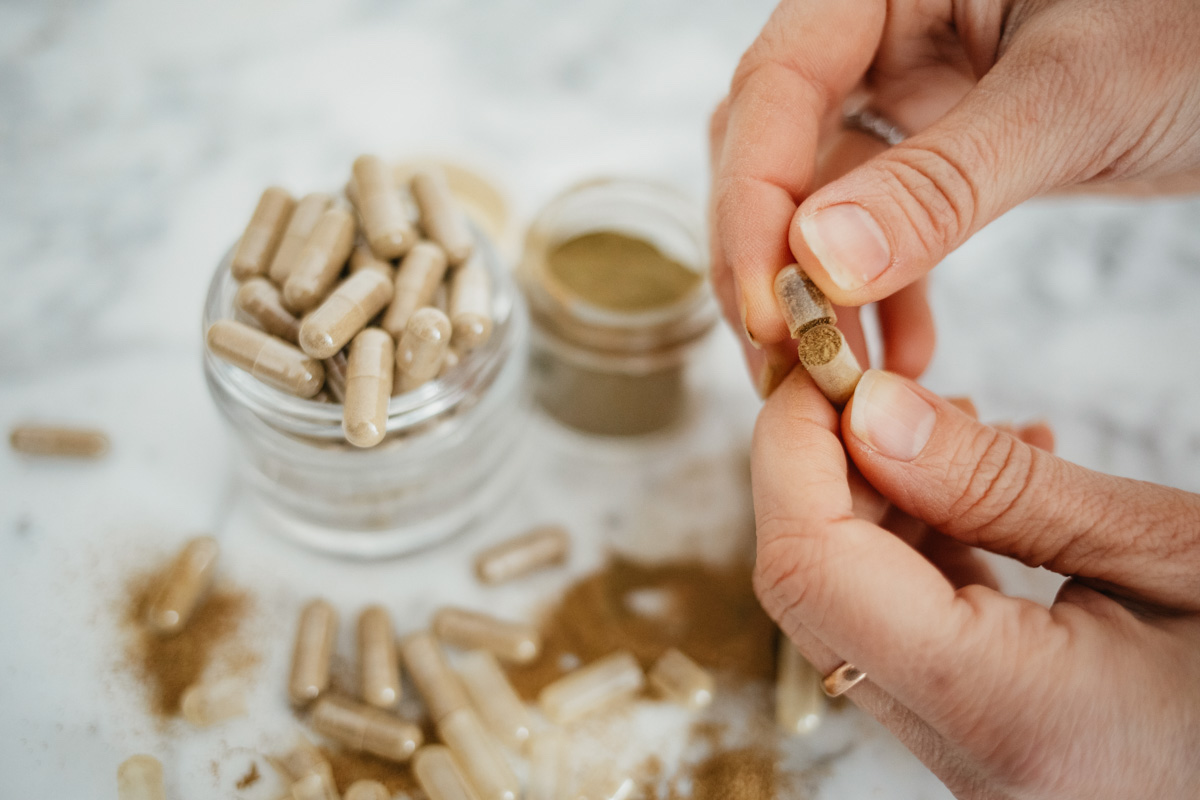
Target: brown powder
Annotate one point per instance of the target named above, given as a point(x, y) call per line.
point(819, 345)
point(349, 767)
point(250, 778)
point(620, 272)
point(744, 774)
point(710, 613)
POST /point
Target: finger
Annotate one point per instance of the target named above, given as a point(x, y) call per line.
point(1039, 435)
point(906, 327)
point(993, 490)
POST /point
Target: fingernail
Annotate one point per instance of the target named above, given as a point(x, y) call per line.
point(741, 301)
point(849, 244)
point(890, 417)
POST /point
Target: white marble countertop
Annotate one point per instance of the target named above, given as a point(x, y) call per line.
point(134, 139)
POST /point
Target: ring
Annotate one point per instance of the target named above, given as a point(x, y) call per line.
point(842, 680)
point(876, 125)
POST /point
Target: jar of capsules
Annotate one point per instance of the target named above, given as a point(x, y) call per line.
point(615, 273)
point(439, 452)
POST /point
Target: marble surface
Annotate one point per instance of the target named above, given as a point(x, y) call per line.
point(134, 138)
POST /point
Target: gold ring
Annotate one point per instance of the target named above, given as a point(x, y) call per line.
point(842, 679)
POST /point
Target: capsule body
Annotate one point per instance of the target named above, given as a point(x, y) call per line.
point(420, 351)
point(802, 304)
point(268, 358)
point(378, 662)
point(48, 440)
point(799, 701)
point(314, 787)
point(471, 305)
point(829, 360)
point(367, 790)
point(362, 258)
point(304, 220)
point(682, 680)
point(495, 700)
point(261, 301)
point(368, 388)
point(140, 777)
point(206, 704)
point(314, 648)
point(386, 225)
point(440, 776)
point(539, 548)
point(417, 281)
point(365, 729)
point(303, 760)
point(515, 642)
point(320, 260)
point(604, 682)
point(476, 752)
point(546, 767)
point(183, 587)
point(441, 217)
point(438, 685)
point(263, 233)
point(345, 312)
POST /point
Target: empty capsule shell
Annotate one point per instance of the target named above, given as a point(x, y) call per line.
point(320, 260)
point(830, 361)
point(440, 776)
point(438, 685)
point(263, 233)
point(362, 258)
point(268, 358)
point(417, 281)
point(205, 704)
point(385, 223)
point(335, 376)
point(476, 752)
point(365, 729)
point(604, 682)
point(368, 388)
point(541, 547)
point(367, 790)
point(378, 663)
point(546, 767)
point(799, 701)
point(515, 642)
point(495, 699)
point(140, 777)
point(345, 312)
point(441, 217)
point(471, 305)
point(314, 787)
point(261, 301)
point(50, 440)
point(299, 228)
point(314, 648)
point(682, 680)
point(420, 351)
point(183, 587)
point(802, 304)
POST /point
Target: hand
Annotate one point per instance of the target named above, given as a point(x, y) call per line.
point(1096, 697)
point(1004, 99)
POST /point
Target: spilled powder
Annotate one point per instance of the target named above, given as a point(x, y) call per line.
point(250, 778)
point(349, 767)
point(743, 774)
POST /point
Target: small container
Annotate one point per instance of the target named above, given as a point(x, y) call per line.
point(604, 362)
point(452, 451)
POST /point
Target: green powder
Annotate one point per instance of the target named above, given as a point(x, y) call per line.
point(620, 272)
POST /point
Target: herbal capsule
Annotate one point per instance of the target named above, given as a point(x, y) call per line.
point(314, 648)
point(417, 281)
point(268, 358)
point(184, 586)
point(385, 223)
point(449, 362)
point(441, 217)
point(494, 698)
point(368, 388)
point(378, 663)
point(205, 704)
point(46, 440)
point(335, 376)
point(799, 701)
point(261, 301)
point(438, 685)
point(365, 729)
point(471, 305)
point(802, 304)
point(263, 233)
point(420, 351)
point(515, 642)
point(618, 788)
point(439, 775)
point(682, 680)
point(830, 361)
point(314, 787)
point(546, 762)
point(604, 682)
point(301, 761)
point(140, 777)
point(476, 751)
point(539, 548)
point(362, 258)
point(320, 260)
point(367, 790)
point(345, 312)
point(299, 228)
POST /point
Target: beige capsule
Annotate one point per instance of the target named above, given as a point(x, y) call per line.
point(315, 787)
point(515, 642)
point(682, 680)
point(420, 351)
point(802, 304)
point(260, 300)
point(335, 376)
point(140, 777)
point(315, 636)
point(547, 766)
point(435, 681)
point(385, 223)
point(799, 700)
point(365, 729)
point(476, 751)
point(441, 217)
point(378, 663)
point(368, 387)
point(602, 683)
point(268, 358)
point(320, 260)
point(367, 790)
point(829, 360)
point(440, 776)
point(541, 547)
point(345, 312)
point(207, 704)
point(362, 258)
point(184, 586)
point(303, 222)
point(417, 281)
point(52, 440)
point(471, 305)
point(263, 233)
point(495, 700)
point(620, 787)
point(302, 760)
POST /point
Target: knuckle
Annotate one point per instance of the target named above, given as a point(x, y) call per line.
point(936, 191)
point(790, 557)
point(998, 471)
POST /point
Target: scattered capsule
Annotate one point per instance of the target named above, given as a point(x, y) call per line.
point(263, 233)
point(435, 681)
point(377, 660)
point(140, 777)
point(362, 258)
point(495, 699)
point(367, 790)
point(682, 680)
point(368, 388)
point(365, 729)
point(602, 683)
point(335, 376)
point(206, 704)
point(314, 648)
point(420, 351)
point(304, 220)
point(477, 754)
point(345, 312)
point(48, 440)
point(385, 223)
point(440, 776)
point(301, 761)
point(314, 787)
point(619, 788)
point(799, 701)
point(441, 217)
point(417, 281)
point(320, 260)
point(261, 301)
point(802, 304)
point(268, 358)
point(539, 548)
point(183, 587)
point(546, 767)
point(515, 642)
point(471, 305)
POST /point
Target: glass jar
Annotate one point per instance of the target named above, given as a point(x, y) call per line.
point(452, 451)
point(597, 368)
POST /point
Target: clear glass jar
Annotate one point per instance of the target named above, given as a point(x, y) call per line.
point(597, 369)
point(453, 448)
